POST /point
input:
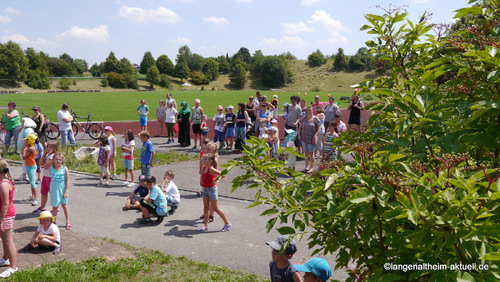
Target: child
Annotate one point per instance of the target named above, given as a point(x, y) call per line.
point(160, 118)
point(128, 145)
point(319, 139)
point(46, 163)
point(208, 180)
point(291, 158)
point(210, 148)
point(39, 151)
point(143, 111)
point(329, 151)
point(139, 193)
point(219, 120)
point(171, 191)
point(316, 270)
point(284, 111)
point(7, 221)
point(263, 128)
point(103, 159)
point(280, 266)
point(27, 126)
point(170, 114)
point(29, 154)
point(108, 130)
point(275, 104)
point(273, 141)
point(46, 235)
point(147, 153)
point(204, 127)
point(202, 153)
point(154, 203)
point(59, 186)
point(230, 119)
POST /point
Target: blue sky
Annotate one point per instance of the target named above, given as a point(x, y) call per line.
point(90, 29)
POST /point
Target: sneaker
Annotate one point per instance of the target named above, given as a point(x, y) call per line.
point(113, 176)
point(125, 183)
point(100, 183)
point(57, 250)
point(29, 199)
point(22, 178)
point(160, 218)
point(194, 147)
point(226, 227)
point(107, 183)
point(38, 211)
point(35, 202)
point(38, 181)
point(146, 221)
point(8, 272)
point(4, 262)
point(203, 229)
point(131, 184)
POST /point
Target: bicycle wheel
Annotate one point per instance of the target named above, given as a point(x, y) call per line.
point(95, 130)
point(75, 129)
point(52, 131)
point(2, 137)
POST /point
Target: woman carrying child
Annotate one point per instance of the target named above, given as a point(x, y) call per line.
point(46, 235)
point(59, 186)
point(208, 179)
point(7, 215)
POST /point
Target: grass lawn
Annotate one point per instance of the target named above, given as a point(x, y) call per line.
point(145, 266)
point(117, 106)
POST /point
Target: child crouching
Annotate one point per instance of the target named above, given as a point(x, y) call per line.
point(46, 235)
point(154, 203)
point(171, 191)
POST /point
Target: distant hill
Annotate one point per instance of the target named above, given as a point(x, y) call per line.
point(306, 79)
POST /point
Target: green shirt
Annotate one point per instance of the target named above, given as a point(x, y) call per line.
point(11, 123)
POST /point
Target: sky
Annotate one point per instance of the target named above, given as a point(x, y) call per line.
point(91, 29)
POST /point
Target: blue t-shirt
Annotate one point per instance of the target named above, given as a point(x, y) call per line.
point(142, 191)
point(143, 110)
point(39, 150)
point(159, 200)
point(281, 274)
point(147, 152)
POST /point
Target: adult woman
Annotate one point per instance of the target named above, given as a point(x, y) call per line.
point(251, 110)
point(265, 114)
point(241, 119)
point(12, 123)
point(7, 215)
point(330, 111)
point(356, 106)
point(309, 129)
point(184, 125)
point(40, 125)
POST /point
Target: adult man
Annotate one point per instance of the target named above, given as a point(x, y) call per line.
point(170, 99)
point(294, 114)
point(257, 99)
point(330, 111)
point(65, 129)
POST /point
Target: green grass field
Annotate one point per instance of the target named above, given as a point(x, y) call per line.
point(117, 106)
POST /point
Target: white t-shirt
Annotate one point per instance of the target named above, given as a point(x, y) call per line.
point(170, 115)
point(110, 141)
point(129, 145)
point(46, 171)
point(52, 229)
point(219, 122)
point(174, 104)
point(171, 190)
point(62, 124)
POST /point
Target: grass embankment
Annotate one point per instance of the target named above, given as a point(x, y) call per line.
point(89, 165)
point(145, 266)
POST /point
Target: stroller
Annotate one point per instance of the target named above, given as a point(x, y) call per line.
point(292, 135)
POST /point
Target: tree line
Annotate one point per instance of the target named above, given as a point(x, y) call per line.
point(35, 67)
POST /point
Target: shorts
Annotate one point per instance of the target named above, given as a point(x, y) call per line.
point(146, 169)
point(103, 168)
point(171, 201)
point(149, 206)
point(196, 128)
point(229, 131)
point(211, 193)
point(204, 132)
point(137, 199)
point(67, 134)
point(308, 147)
point(219, 135)
point(143, 120)
point(128, 164)
point(8, 223)
point(45, 185)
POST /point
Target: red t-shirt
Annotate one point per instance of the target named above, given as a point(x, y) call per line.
point(11, 211)
point(207, 179)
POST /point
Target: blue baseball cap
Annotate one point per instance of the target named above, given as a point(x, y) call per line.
point(276, 244)
point(317, 266)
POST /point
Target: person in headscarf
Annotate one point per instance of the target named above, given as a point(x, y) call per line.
point(183, 118)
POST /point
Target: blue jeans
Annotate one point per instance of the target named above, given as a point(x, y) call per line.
point(146, 169)
point(65, 135)
point(9, 133)
point(219, 135)
point(240, 132)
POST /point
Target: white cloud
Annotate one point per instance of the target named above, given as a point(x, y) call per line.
point(11, 10)
point(98, 34)
point(220, 22)
point(333, 26)
point(180, 40)
point(139, 15)
point(309, 2)
point(291, 28)
point(420, 1)
point(336, 40)
point(24, 41)
point(5, 19)
point(286, 41)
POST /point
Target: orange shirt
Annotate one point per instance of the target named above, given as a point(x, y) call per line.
point(30, 161)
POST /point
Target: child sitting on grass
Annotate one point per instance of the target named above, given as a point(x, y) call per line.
point(46, 235)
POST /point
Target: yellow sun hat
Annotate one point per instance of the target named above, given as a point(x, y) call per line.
point(45, 214)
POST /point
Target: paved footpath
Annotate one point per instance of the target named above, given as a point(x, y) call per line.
point(97, 211)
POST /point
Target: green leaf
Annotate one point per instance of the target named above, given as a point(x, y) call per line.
point(360, 196)
point(493, 51)
point(395, 157)
point(412, 216)
point(468, 11)
point(491, 256)
point(391, 214)
point(269, 212)
point(270, 224)
point(286, 230)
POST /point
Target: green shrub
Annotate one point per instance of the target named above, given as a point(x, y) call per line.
point(164, 81)
point(64, 83)
point(199, 78)
point(116, 80)
point(37, 80)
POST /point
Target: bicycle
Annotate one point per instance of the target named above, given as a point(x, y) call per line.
point(52, 130)
point(94, 130)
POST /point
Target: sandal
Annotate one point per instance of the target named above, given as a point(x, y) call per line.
point(28, 247)
point(69, 226)
point(57, 250)
point(211, 218)
point(304, 170)
point(202, 217)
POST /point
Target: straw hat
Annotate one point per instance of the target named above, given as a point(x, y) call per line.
point(45, 214)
